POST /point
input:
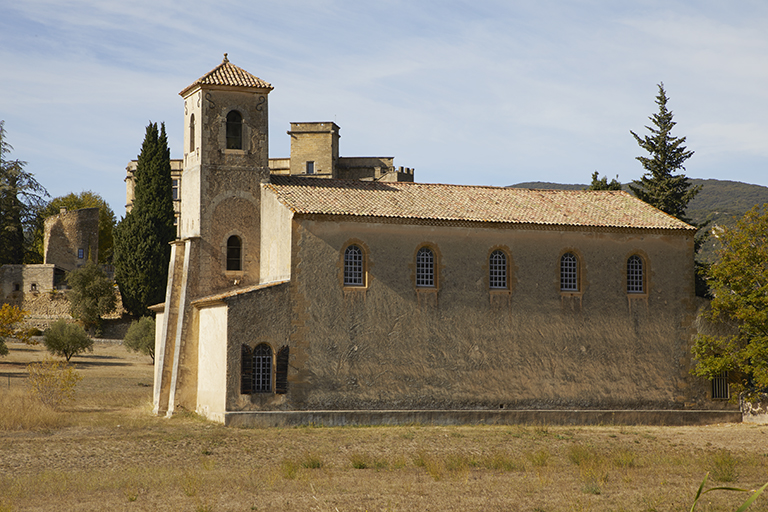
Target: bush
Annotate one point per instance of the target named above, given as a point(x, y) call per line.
point(52, 382)
point(92, 294)
point(141, 337)
point(66, 340)
point(10, 317)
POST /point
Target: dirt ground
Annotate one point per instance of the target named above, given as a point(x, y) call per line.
point(105, 451)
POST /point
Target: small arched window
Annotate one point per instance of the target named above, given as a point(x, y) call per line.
point(425, 268)
point(497, 265)
point(353, 266)
point(256, 369)
point(234, 130)
point(635, 283)
point(192, 133)
point(234, 253)
point(569, 273)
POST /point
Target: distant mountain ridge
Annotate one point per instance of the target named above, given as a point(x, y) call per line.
point(721, 202)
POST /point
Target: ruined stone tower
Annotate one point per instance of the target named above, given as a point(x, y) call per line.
point(226, 158)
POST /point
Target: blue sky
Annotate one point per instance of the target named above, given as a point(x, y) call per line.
point(476, 92)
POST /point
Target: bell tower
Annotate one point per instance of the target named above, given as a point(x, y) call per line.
point(226, 159)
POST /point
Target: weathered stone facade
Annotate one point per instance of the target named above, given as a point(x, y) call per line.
point(72, 238)
point(346, 295)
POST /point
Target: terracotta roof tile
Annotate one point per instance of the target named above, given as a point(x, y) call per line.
point(219, 297)
point(227, 73)
point(469, 203)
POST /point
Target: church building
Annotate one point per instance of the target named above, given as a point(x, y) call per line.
point(294, 298)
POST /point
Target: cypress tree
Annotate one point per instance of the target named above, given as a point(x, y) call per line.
point(659, 187)
point(141, 239)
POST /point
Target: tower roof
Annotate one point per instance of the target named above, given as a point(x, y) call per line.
point(228, 74)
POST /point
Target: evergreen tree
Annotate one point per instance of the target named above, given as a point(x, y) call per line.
point(602, 183)
point(659, 187)
point(141, 240)
point(20, 198)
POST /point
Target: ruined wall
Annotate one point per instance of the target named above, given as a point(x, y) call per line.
point(388, 345)
point(72, 238)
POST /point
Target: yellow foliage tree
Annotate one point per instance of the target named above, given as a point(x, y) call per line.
point(10, 318)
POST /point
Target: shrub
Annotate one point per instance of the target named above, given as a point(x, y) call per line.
point(66, 340)
point(92, 294)
point(141, 337)
point(52, 382)
point(10, 316)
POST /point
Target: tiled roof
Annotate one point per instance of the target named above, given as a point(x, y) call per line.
point(219, 297)
point(469, 203)
point(227, 73)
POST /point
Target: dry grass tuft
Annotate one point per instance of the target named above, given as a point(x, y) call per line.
point(19, 411)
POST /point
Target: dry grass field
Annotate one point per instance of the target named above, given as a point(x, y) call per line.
point(105, 451)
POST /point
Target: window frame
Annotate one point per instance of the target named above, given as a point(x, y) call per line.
point(425, 270)
point(721, 389)
point(354, 270)
point(573, 273)
point(496, 267)
point(309, 167)
point(636, 275)
point(192, 133)
point(234, 141)
point(257, 369)
point(228, 258)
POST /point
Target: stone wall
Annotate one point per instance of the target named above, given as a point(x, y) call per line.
point(389, 345)
point(72, 238)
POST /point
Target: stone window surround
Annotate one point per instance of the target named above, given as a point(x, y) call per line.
point(646, 275)
point(366, 265)
point(580, 273)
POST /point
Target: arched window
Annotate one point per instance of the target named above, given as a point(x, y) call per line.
point(353, 266)
point(234, 130)
point(256, 369)
point(497, 265)
point(191, 133)
point(425, 268)
point(234, 253)
point(635, 274)
point(569, 273)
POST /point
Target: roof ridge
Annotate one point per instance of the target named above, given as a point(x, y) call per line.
point(478, 203)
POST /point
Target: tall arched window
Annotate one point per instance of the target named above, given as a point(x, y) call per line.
point(353, 266)
point(234, 253)
point(569, 273)
point(234, 130)
point(256, 369)
point(425, 268)
point(192, 133)
point(497, 265)
point(635, 282)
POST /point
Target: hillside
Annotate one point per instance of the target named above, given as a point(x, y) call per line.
point(720, 202)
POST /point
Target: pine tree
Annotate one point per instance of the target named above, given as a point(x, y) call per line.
point(141, 239)
point(21, 196)
point(659, 187)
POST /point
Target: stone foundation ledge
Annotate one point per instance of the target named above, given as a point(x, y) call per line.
point(476, 417)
